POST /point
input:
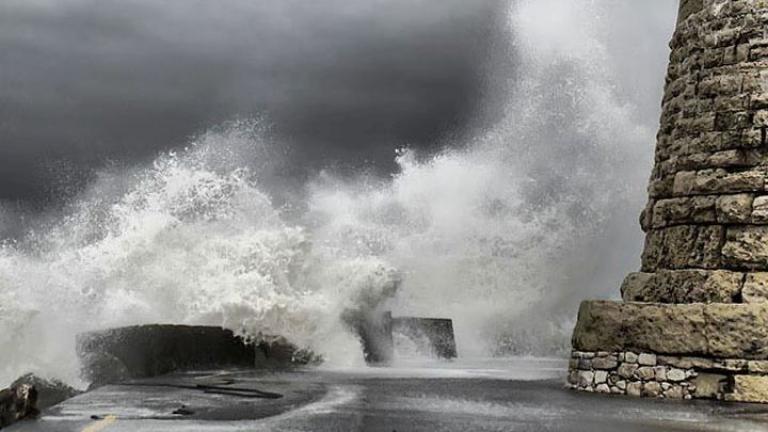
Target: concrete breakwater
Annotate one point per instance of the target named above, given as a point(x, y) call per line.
point(702, 292)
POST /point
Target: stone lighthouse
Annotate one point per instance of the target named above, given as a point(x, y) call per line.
point(693, 322)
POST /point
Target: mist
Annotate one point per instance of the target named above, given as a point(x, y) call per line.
point(504, 225)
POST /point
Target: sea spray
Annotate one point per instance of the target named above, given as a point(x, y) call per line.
point(190, 239)
point(508, 232)
point(504, 233)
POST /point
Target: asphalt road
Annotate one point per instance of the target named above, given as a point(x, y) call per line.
point(493, 395)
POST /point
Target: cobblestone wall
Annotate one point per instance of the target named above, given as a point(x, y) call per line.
point(669, 377)
point(706, 220)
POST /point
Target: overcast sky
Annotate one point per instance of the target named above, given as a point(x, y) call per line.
point(342, 82)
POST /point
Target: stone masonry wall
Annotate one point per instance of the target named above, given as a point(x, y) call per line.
point(668, 377)
point(702, 290)
point(708, 206)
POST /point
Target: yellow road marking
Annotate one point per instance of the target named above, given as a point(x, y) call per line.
point(101, 424)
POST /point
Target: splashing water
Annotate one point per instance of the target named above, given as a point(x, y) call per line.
point(504, 235)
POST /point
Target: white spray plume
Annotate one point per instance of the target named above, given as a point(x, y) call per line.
point(504, 235)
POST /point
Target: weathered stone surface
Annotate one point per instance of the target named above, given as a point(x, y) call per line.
point(651, 389)
point(601, 377)
point(749, 388)
point(627, 370)
point(16, 403)
point(607, 362)
point(760, 209)
point(746, 247)
point(734, 208)
point(730, 365)
point(686, 362)
point(755, 288)
point(683, 286)
point(635, 389)
point(674, 392)
point(646, 373)
point(586, 378)
point(717, 181)
point(737, 331)
point(708, 386)
point(673, 211)
point(647, 359)
point(758, 366)
point(688, 8)
point(593, 318)
point(643, 287)
point(676, 375)
point(683, 246)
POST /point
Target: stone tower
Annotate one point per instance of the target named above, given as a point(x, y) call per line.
point(694, 322)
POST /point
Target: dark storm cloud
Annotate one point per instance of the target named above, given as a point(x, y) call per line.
point(343, 82)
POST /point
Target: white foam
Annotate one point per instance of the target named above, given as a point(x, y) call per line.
point(504, 235)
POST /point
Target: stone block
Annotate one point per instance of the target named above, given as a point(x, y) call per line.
point(731, 331)
point(645, 373)
point(734, 208)
point(683, 246)
point(598, 327)
point(674, 392)
point(605, 362)
point(717, 181)
point(687, 210)
point(758, 366)
point(601, 377)
point(586, 378)
point(730, 365)
point(749, 388)
point(635, 389)
point(760, 209)
point(737, 331)
point(627, 370)
point(708, 386)
point(686, 362)
point(755, 288)
point(682, 286)
point(664, 330)
point(688, 8)
point(746, 247)
point(647, 359)
point(676, 375)
point(651, 389)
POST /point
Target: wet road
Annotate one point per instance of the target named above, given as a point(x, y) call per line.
point(490, 395)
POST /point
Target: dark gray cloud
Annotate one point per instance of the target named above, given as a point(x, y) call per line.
point(343, 82)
